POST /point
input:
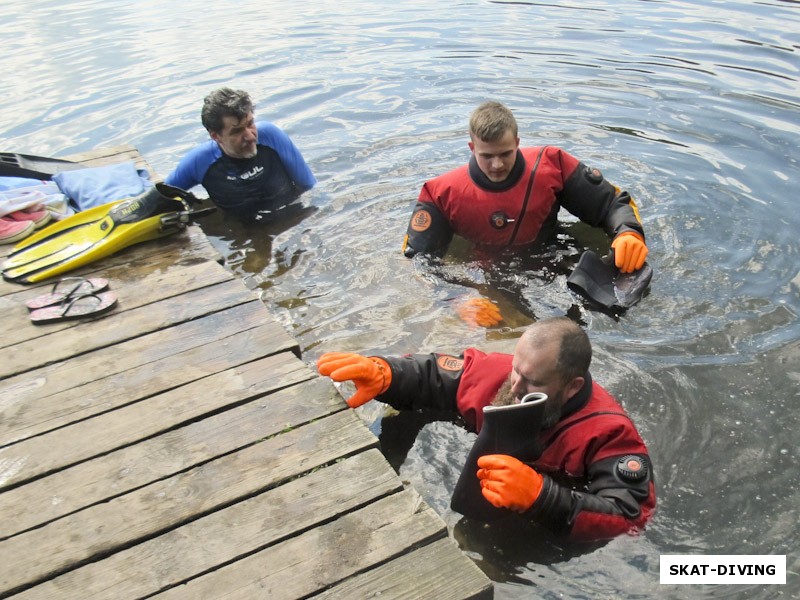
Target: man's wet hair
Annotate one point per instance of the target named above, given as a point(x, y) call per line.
point(222, 103)
point(490, 121)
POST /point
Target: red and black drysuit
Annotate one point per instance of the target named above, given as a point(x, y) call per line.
point(519, 211)
point(587, 493)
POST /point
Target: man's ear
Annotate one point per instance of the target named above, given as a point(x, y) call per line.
point(574, 386)
point(214, 135)
point(471, 146)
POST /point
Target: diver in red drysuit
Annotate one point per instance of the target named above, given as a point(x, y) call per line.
point(593, 479)
point(510, 196)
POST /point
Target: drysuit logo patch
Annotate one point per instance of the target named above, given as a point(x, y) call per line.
point(421, 220)
point(449, 363)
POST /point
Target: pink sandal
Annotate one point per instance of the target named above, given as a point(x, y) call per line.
point(66, 289)
point(87, 305)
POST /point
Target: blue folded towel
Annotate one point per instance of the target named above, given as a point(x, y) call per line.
point(93, 186)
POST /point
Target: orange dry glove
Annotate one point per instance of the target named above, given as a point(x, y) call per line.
point(508, 483)
point(371, 375)
point(480, 311)
point(630, 251)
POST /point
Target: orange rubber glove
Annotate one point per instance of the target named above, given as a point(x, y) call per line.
point(508, 483)
point(370, 374)
point(630, 251)
point(480, 311)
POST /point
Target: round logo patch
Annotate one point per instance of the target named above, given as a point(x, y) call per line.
point(632, 468)
point(421, 220)
point(449, 363)
point(499, 220)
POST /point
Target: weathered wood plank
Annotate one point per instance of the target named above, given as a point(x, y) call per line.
point(186, 247)
point(86, 439)
point(122, 325)
point(164, 505)
point(317, 559)
point(132, 293)
point(438, 571)
point(45, 399)
point(116, 154)
point(227, 535)
point(129, 468)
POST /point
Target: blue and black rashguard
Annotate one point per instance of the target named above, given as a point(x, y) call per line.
point(276, 174)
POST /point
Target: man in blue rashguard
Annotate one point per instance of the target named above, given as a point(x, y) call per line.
point(246, 166)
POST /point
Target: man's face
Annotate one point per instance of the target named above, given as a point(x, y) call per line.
point(237, 138)
point(534, 370)
point(496, 159)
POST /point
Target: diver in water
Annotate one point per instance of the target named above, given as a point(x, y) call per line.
point(247, 166)
point(583, 471)
point(509, 197)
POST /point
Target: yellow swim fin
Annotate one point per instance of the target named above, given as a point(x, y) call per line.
point(96, 233)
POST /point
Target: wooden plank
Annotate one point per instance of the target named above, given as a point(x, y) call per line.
point(88, 535)
point(43, 454)
point(186, 247)
point(438, 571)
point(132, 291)
point(122, 325)
point(309, 563)
point(87, 385)
point(116, 154)
point(227, 535)
point(132, 467)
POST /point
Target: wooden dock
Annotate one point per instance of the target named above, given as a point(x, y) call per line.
point(179, 447)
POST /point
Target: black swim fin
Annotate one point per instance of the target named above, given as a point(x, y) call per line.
point(598, 280)
point(34, 167)
point(511, 430)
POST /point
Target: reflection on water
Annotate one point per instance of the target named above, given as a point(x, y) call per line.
point(691, 106)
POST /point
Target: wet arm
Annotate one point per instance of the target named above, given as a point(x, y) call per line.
point(418, 382)
point(428, 231)
point(588, 196)
point(608, 507)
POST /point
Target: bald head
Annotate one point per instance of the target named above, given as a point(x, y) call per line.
point(565, 339)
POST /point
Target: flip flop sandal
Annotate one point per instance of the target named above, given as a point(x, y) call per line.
point(67, 288)
point(87, 305)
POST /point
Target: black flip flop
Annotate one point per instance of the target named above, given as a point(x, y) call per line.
point(67, 288)
point(79, 307)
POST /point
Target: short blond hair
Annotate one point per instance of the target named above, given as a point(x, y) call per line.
point(490, 121)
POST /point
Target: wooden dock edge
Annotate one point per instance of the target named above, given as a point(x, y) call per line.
point(179, 447)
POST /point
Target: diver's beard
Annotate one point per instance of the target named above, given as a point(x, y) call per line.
point(504, 397)
point(552, 406)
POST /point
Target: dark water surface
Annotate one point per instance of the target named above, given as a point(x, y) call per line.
point(693, 106)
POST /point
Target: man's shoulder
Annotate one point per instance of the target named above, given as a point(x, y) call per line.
point(204, 151)
point(456, 174)
point(269, 132)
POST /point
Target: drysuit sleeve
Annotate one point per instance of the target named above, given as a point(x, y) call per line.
point(428, 231)
point(616, 500)
point(588, 196)
point(419, 381)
